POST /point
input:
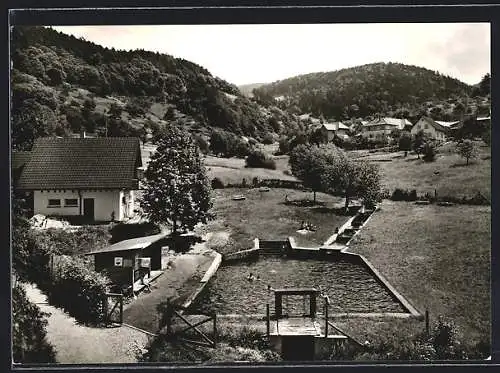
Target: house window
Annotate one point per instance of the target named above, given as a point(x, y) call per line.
point(72, 202)
point(426, 126)
point(54, 203)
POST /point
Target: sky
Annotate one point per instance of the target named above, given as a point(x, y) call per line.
point(243, 54)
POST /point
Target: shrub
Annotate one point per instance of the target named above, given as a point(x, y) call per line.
point(29, 343)
point(486, 137)
point(399, 195)
point(80, 291)
point(73, 243)
point(217, 183)
point(404, 195)
point(122, 231)
point(284, 145)
point(268, 139)
point(255, 181)
point(258, 159)
point(202, 144)
point(412, 196)
point(429, 152)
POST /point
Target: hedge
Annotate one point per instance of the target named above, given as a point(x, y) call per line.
point(77, 289)
point(122, 231)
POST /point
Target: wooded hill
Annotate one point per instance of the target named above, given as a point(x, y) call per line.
point(62, 85)
point(389, 89)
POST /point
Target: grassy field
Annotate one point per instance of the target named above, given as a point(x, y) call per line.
point(436, 257)
point(449, 174)
point(266, 216)
point(233, 171)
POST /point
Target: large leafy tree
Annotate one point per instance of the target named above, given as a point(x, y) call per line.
point(309, 162)
point(177, 190)
point(353, 179)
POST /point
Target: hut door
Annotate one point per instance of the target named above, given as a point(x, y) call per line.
point(88, 208)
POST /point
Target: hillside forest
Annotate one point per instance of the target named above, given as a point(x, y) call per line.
point(62, 85)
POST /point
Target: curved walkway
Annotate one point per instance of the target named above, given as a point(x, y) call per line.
point(78, 344)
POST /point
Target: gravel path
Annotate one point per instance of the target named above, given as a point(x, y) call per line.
point(78, 344)
point(179, 281)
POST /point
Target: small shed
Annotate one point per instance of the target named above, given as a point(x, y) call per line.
point(128, 261)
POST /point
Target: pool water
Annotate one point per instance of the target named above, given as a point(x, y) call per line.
point(350, 287)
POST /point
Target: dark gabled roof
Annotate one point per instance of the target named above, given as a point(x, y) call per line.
point(19, 159)
point(82, 163)
point(131, 244)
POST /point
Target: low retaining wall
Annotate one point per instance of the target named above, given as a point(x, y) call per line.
point(204, 281)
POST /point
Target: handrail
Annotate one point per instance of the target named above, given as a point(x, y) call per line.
point(347, 335)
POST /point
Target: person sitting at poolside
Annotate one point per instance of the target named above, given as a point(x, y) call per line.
point(145, 282)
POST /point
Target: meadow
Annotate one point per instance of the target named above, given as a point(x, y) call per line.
point(266, 215)
point(436, 257)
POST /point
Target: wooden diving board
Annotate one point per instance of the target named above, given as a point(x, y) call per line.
point(295, 326)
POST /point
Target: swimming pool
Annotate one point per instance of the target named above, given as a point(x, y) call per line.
point(351, 287)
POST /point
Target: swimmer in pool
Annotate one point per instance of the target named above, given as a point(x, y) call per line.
point(250, 277)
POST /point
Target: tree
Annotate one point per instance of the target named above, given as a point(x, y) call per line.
point(318, 137)
point(486, 137)
point(353, 179)
point(405, 142)
point(309, 162)
point(429, 152)
point(418, 143)
point(284, 145)
point(202, 143)
point(485, 84)
point(467, 149)
point(177, 190)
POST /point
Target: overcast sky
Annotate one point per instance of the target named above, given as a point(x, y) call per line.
point(243, 54)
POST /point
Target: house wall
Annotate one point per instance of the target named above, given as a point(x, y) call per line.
point(429, 130)
point(330, 134)
point(374, 132)
point(105, 202)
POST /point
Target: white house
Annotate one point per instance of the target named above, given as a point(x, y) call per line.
point(335, 128)
point(433, 129)
point(381, 128)
point(91, 177)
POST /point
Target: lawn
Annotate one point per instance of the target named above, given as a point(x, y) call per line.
point(448, 174)
point(266, 215)
point(436, 257)
point(233, 171)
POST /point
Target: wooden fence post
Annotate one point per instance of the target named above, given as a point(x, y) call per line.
point(215, 329)
point(427, 322)
point(121, 309)
point(326, 317)
point(106, 308)
point(268, 320)
point(168, 317)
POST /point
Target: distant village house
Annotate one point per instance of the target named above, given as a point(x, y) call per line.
point(335, 129)
point(381, 128)
point(436, 130)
